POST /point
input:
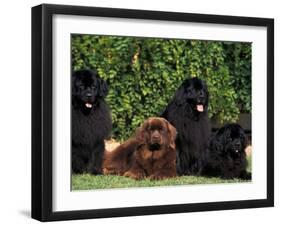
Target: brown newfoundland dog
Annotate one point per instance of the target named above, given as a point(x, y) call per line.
point(150, 154)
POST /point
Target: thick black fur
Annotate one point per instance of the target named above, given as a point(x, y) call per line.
point(192, 125)
point(227, 156)
point(91, 121)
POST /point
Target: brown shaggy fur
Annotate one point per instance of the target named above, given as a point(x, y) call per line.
point(151, 153)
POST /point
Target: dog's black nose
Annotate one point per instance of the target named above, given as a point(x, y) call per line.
point(200, 100)
point(237, 145)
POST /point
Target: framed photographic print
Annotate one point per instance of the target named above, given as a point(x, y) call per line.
point(145, 112)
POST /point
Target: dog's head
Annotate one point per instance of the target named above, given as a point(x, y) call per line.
point(230, 140)
point(156, 133)
point(87, 89)
point(193, 92)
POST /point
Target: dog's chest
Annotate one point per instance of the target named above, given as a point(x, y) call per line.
point(151, 161)
point(84, 128)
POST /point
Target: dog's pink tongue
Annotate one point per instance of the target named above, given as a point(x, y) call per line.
point(88, 105)
point(200, 107)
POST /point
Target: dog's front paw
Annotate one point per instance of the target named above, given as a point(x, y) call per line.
point(246, 175)
point(107, 171)
point(135, 175)
point(95, 171)
point(157, 176)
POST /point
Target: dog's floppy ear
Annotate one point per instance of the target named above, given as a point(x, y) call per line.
point(73, 80)
point(245, 141)
point(172, 134)
point(206, 93)
point(180, 96)
point(216, 144)
point(141, 132)
point(103, 88)
point(74, 91)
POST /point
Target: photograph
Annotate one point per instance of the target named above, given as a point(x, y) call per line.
point(140, 112)
point(159, 112)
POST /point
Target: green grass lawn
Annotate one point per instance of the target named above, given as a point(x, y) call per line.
point(87, 181)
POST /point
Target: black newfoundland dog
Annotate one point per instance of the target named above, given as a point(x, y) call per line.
point(227, 156)
point(91, 121)
point(188, 113)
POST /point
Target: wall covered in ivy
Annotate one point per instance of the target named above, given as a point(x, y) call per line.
point(144, 73)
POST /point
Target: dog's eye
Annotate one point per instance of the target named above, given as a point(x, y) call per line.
point(93, 86)
point(190, 93)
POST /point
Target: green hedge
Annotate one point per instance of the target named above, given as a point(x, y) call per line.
point(144, 73)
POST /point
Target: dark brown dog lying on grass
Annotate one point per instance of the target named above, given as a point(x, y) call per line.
point(150, 154)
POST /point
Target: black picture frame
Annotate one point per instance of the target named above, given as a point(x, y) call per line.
point(42, 111)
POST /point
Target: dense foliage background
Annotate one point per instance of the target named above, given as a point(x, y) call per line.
point(144, 73)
